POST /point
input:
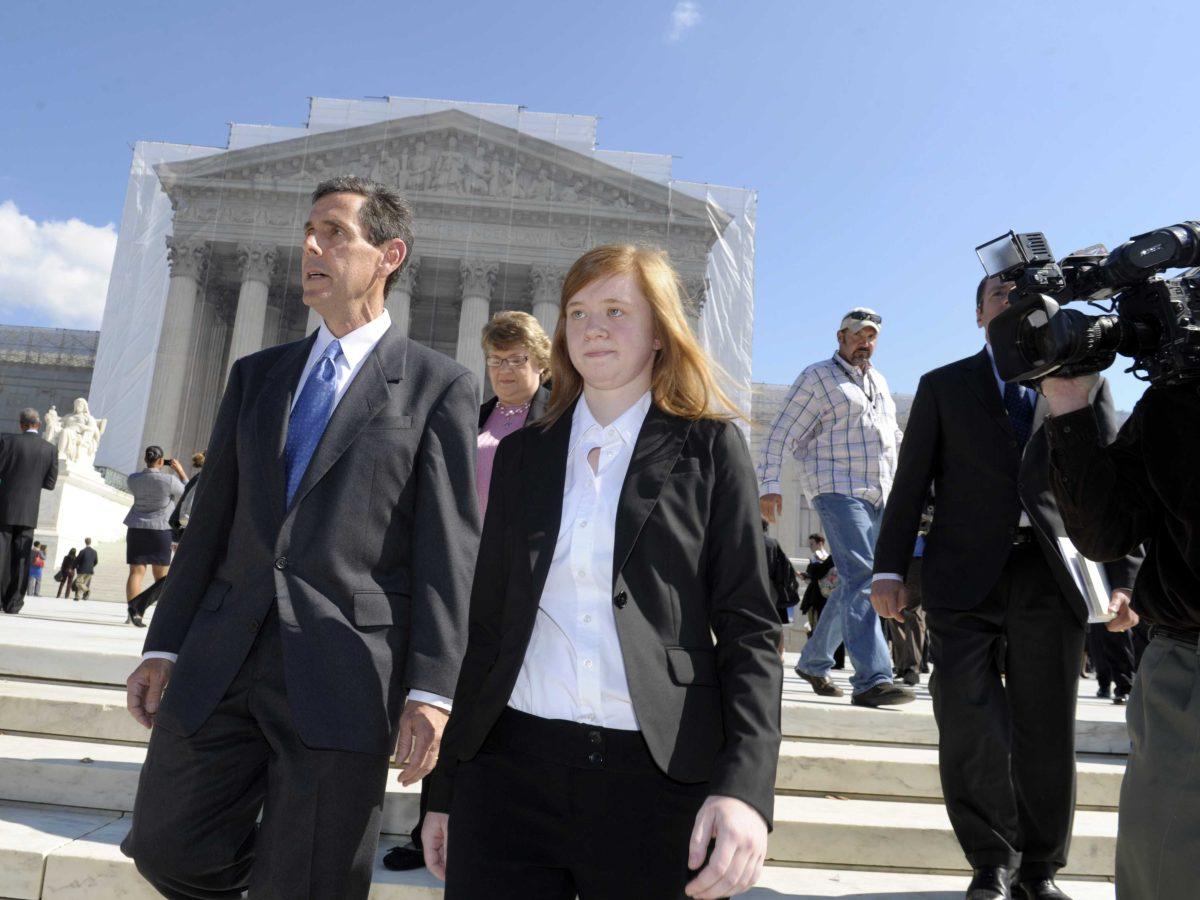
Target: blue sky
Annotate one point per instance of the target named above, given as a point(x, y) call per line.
point(885, 139)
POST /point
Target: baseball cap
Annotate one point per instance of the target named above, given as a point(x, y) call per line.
point(859, 318)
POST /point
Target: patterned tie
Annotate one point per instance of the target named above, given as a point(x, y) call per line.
point(309, 417)
point(1020, 412)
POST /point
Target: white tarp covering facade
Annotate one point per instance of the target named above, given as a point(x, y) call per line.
point(207, 263)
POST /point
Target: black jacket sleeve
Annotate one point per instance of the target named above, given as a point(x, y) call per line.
point(1121, 572)
point(1103, 492)
point(910, 490)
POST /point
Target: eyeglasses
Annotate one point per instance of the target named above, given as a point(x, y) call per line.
point(860, 316)
point(513, 362)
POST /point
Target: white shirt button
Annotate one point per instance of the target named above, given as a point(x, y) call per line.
point(583, 524)
point(587, 663)
point(587, 618)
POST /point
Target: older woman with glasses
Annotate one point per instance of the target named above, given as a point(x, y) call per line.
point(518, 362)
point(517, 352)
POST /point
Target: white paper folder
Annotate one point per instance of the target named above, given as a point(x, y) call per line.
point(1091, 580)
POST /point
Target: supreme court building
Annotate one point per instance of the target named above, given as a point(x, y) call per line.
point(208, 260)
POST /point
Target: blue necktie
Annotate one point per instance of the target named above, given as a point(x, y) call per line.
point(1020, 412)
point(309, 417)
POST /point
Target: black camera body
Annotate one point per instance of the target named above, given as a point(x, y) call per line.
point(1153, 320)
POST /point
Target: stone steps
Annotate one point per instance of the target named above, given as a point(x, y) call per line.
point(47, 852)
point(42, 768)
point(858, 810)
point(808, 829)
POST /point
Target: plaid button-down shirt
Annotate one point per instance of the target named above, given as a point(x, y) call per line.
point(840, 423)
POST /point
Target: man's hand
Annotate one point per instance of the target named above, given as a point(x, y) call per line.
point(1124, 617)
point(889, 597)
point(435, 837)
point(421, 726)
point(737, 859)
point(770, 505)
point(1066, 395)
point(144, 689)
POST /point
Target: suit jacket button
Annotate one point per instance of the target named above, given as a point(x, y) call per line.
point(620, 600)
point(281, 563)
point(254, 624)
point(595, 737)
point(595, 758)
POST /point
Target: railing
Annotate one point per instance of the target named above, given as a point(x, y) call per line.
point(113, 478)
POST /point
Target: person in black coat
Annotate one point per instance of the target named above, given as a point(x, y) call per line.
point(315, 615)
point(600, 739)
point(992, 575)
point(785, 586)
point(28, 466)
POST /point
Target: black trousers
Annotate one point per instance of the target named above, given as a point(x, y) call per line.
point(1007, 747)
point(16, 546)
point(194, 831)
point(1112, 657)
point(551, 810)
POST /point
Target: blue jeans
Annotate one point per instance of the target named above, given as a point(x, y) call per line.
point(851, 526)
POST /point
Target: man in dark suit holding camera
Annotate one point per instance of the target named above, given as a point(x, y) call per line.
point(993, 576)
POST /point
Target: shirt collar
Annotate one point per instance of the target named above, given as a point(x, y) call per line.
point(850, 369)
point(626, 426)
point(358, 343)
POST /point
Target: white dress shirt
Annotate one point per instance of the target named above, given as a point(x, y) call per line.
point(573, 667)
point(356, 347)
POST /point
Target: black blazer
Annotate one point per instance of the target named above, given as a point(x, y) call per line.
point(689, 562)
point(960, 440)
point(369, 568)
point(537, 407)
point(28, 466)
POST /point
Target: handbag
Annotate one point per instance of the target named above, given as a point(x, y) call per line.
point(59, 576)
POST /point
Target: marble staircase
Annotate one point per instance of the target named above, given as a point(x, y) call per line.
point(858, 811)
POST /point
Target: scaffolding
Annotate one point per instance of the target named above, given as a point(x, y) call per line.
point(66, 347)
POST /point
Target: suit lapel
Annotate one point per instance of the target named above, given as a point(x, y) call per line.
point(273, 410)
point(545, 476)
point(364, 398)
point(982, 381)
point(657, 448)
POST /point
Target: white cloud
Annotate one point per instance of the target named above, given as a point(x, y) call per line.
point(684, 17)
point(53, 273)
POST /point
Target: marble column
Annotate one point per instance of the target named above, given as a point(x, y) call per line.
point(478, 279)
point(545, 284)
point(399, 298)
point(188, 260)
point(256, 262)
point(696, 293)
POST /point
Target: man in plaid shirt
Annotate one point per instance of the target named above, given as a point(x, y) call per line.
point(839, 421)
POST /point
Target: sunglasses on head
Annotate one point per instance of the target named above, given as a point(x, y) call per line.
point(860, 316)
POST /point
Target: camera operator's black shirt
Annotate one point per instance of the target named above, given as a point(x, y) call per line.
point(1143, 488)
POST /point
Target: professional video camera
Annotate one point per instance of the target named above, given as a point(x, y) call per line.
point(1153, 320)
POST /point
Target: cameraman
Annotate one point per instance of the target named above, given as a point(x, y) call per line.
point(1145, 488)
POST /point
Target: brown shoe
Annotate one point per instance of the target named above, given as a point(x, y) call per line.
point(822, 686)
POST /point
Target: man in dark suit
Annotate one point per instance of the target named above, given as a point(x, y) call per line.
point(992, 570)
point(28, 466)
point(315, 616)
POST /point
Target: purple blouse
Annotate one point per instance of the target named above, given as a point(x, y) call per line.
point(497, 426)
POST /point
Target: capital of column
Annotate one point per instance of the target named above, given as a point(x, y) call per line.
point(406, 281)
point(478, 277)
point(187, 257)
point(256, 262)
point(545, 283)
point(697, 294)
